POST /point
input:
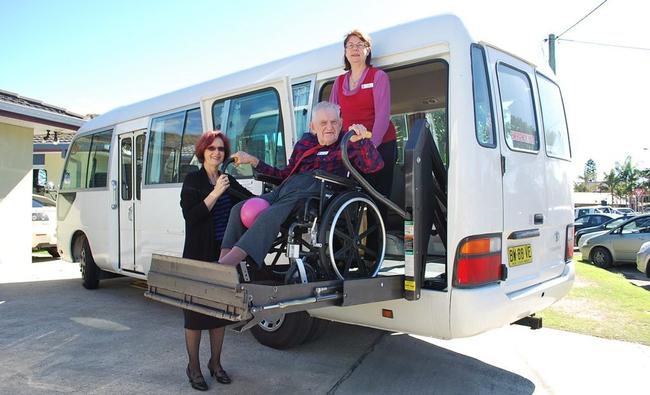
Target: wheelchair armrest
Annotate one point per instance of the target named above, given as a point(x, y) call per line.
point(267, 179)
point(334, 179)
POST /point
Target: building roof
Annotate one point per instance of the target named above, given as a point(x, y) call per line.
point(36, 114)
point(10, 97)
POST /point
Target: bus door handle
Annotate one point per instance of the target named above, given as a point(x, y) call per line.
point(131, 213)
point(538, 219)
point(114, 186)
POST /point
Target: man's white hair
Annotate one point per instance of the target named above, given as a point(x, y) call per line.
point(325, 105)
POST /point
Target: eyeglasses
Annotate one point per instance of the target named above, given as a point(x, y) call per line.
point(220, 149)
point(356, 46)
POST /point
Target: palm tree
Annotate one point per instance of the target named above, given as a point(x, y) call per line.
point(628, 175)
point(610, 183)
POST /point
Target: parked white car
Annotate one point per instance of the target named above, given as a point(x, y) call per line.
point(625, 211)
point(44, 225)
point(643, 259)
point(618, 245)
point(582, 211)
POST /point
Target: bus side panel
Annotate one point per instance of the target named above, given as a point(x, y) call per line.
point(160, 227)
point(428, 316)
point(91, 214)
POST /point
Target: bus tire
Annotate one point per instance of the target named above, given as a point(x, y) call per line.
point(284, 331)
point(601, 257)
point(317, 330)
point(89, 271)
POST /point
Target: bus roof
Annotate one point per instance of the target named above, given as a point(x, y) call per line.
point(396, 39)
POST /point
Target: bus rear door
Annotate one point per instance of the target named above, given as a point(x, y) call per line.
point(527, 233)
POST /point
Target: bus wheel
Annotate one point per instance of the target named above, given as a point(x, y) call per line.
point(318, 329)
point(601, 257)
point(89, 270)
point(284, 330)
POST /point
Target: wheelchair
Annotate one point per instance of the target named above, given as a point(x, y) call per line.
point(337, 235)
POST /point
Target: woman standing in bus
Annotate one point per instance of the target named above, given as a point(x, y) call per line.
point(363, 93)
point(206, 199)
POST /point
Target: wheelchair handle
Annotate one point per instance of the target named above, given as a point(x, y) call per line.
point(365, 184)
point(226, 163)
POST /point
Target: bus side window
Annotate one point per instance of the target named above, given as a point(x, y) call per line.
point(87, 164)
point(518, 110)
point(252, 123)
point(191, 133)
point(98, 161)
point(301, 94)
point(483, 111)
point(555, 127)
point(164, 146)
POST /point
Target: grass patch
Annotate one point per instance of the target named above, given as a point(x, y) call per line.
point(602, 304)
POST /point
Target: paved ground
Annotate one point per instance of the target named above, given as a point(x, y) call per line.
point(56, 337)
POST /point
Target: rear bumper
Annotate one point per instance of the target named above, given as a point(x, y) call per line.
point(477, 310)
point(642, 260)
point(585, 250)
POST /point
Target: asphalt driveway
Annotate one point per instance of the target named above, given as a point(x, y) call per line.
point(56, 337)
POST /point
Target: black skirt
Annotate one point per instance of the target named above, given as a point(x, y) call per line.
point(198, 321)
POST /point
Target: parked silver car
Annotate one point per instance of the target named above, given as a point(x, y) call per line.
point(619, 245)
point(643, 259)
point(44, 225)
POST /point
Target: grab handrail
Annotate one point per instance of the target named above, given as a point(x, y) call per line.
point(364, 183)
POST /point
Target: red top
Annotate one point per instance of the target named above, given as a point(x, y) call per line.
point(360, 108)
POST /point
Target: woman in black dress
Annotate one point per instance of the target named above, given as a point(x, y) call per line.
point(206, 199)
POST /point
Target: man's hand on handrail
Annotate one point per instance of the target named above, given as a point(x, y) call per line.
point(360, 132)
point(244, 158)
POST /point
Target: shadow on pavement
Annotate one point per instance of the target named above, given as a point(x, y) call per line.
point(404, 364)
point(631, 273)
point(43, 258)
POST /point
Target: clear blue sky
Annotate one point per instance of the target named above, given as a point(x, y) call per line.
point(91, 56)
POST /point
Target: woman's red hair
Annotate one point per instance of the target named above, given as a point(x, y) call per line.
point(207, 139)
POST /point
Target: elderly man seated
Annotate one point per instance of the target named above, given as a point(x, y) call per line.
point(318, 150)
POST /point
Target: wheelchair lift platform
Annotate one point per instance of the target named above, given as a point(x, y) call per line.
point(216, 290)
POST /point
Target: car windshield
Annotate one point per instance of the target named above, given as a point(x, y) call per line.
point(40, 201)
point(636, 226)
point(615, 222)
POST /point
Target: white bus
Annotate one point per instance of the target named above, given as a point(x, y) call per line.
point(502, 246)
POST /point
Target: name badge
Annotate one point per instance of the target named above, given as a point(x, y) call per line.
point(323, 153)
point(368, 85)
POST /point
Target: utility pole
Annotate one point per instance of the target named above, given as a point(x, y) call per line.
point(551, 51)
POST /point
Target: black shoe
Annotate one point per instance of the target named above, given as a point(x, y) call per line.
point(196, 380)
point(221, 375)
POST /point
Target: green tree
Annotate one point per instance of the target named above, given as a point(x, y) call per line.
point(610, 183)
point(628, 175)
point(590, 171)
point(579, 187)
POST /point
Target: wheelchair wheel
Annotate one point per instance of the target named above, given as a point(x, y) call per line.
point(353, 237)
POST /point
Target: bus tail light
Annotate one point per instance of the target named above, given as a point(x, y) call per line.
point(478, 262)
point(570, 234)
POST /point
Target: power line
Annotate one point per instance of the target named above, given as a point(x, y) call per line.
point(605, 44)
point(582, 19)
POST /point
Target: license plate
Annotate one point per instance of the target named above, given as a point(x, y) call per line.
point(520, 255)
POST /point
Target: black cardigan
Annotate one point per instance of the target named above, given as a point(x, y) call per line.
point(199, 227)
